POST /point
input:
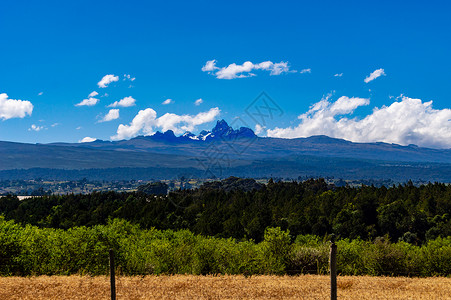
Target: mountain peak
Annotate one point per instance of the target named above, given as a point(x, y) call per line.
point(167, 135)
point(221, 128)
point(222, 122)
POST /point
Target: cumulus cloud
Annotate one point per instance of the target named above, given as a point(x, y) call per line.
point(113, 114)
point(88, 102)
point(87, 140)
point(259, 129)
point(210, 66)
point(106, 80)
point(241, 71)
point(124, 102)
point(91, 101)
point(36, 128)
point(93, 94)
point(167, 101)
point(338, 75)
point(40, 93)
point(198, 102)
point(236, 71)
point(377, 73)
point(406, 121)
point(146, 122)
point(305, 71)
point(11, 108)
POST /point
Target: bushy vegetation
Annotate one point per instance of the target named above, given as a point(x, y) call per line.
point(29, 250)
point(242, 209)
point(232, 227)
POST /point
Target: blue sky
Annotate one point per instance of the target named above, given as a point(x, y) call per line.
point(55, 53)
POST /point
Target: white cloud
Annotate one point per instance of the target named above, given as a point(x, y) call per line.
point(146, 122)
point(113, 114)
point(88, 102)
point(377, 73)
point(198, 102)
point(338, 75)
point(241, 71)
point(93, 94)
point(79, 127)
point(40, 93)
point(55, 124)
point(87, 140)
point(10, 108)
point(409, 121)
point(210, 66)
point(124, 102)
point(259, 129)
point(235, 71)
point(129, 77)
point(106, 80)
point(36, 128)
point(167, 101)
point(305, 71)
point(277, 68)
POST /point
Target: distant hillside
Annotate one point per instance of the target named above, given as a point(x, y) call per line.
point(224, 152)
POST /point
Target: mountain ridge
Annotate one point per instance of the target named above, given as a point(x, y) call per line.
point(233, 152)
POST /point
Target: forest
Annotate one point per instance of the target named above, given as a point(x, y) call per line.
point(233, 226)
point(243, 209)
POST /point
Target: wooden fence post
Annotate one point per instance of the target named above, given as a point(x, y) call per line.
point(112, 276)
point(333, 269)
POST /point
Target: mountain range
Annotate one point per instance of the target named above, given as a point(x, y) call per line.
point(222, 152)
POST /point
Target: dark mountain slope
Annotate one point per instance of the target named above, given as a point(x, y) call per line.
point(244, 144)
point(225, 151)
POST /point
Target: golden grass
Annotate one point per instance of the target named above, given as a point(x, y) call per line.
point(224, 287)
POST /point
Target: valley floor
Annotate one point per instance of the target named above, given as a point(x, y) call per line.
point(224, 287)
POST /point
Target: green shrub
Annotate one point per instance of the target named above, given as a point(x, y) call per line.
point(276, 250)
point(29, 250)
point(9, 247)
point(436, 257)
point(309, 259)
point(350, 257)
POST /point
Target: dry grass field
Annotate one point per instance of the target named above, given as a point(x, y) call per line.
point(224, 287)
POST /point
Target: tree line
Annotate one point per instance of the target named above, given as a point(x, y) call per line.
point(242, 209)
